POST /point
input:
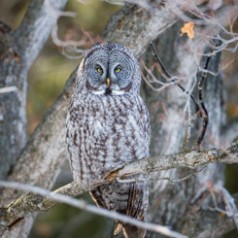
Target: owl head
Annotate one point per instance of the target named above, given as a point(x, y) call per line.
point(109, 69)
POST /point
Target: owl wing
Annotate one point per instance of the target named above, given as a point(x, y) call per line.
point(139, 190)
point(73, 138)
point(143, 121)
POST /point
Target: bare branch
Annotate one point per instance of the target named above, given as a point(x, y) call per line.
point(190, 160)
point(90, 208)
point(204, 109)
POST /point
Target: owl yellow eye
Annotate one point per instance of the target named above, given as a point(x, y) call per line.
point(118, 69)
point(99, 69)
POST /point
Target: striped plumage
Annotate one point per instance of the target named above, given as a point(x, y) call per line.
point(105, 130)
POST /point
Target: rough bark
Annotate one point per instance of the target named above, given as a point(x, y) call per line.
point(170, 137)
point(21, 47)
point(135, 27)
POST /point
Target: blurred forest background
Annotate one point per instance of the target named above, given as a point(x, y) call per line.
point(46, 80)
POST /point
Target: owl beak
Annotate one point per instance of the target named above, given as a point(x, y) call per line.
point(108, 82)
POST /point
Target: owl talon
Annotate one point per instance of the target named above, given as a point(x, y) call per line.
point(117, 229)
point(112, 175)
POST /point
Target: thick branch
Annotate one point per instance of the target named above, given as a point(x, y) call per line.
point(21, 47)
point(190, 160)
point(133, 24)
point(45, 151)
point(25, 45)
point(31, 35)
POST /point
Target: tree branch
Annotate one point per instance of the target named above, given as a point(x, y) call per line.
point(32, 202)
point(24, 46)
point(190, 160)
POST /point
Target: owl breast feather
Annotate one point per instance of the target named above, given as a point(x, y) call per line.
point(109, 131)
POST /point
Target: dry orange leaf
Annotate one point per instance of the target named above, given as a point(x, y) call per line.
point(188, 28)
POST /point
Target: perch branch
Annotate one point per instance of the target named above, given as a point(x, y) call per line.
point(32, 202)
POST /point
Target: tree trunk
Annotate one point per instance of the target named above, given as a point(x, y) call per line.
point(19, 50)
point(171, 203)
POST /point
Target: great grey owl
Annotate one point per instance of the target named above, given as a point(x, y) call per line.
point(107, 126)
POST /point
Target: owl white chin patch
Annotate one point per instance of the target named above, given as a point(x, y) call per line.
point(113, 92)
point(118, 92)
point(101, 92)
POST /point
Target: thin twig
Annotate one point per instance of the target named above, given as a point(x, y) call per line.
point(168, 76)
point(8, 89)
point(205, 118)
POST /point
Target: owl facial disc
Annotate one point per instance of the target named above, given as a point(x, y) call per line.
point(110, 71)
